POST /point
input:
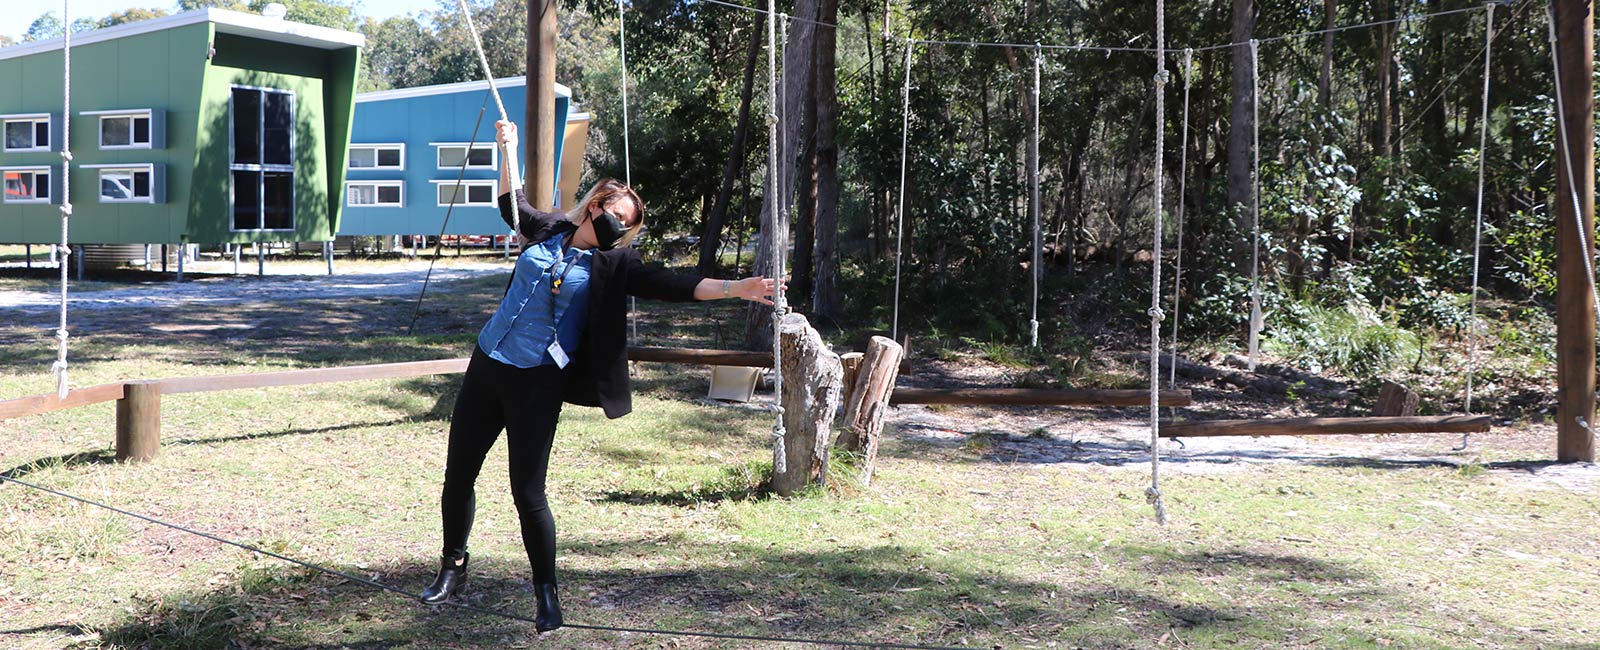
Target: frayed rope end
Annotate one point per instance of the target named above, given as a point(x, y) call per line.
point(1153, 495)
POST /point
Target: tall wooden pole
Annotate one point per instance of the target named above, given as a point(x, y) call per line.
point(1575, 318)
point(541, 120)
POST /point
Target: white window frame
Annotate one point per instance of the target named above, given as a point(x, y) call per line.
point(376, 147)
point(130, 115)
point(157, 178)
point(349, 185)
point(32, 118)
point(262, 167)
point(494, 193)
point(49, 183)
point(439, 147)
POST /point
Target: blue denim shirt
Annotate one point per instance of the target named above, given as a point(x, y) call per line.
point(530, 317)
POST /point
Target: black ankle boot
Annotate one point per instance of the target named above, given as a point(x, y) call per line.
point(549, 615)
point(452, 577)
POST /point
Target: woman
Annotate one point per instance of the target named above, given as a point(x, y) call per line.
point(558, 336)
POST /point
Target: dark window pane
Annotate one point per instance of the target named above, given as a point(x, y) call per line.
point(141, 130)
point(114, 132)
point(141, 184)
point(19, 135)
point(388, 157)
point(41, 185)
point(480, 194)
point(277, 192)
point(362, 158)
point(388, 194)
point(246, 126)
point(246, 200)
point(482, 157)
point(279, 125)
point(41, 134)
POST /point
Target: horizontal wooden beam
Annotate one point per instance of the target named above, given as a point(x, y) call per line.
point(25, 406)
point(312, 376)
point(1326, 426)
point(1035, 397)
point(707, 357)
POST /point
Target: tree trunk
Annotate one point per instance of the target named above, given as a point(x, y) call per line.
point(797, 56)
point(826, 302)
point(812, 375)
point(1383, 139)
point(711, 239)
point(805, 230)
point(869, 402)
point(1330, 10)
point(1241, 124)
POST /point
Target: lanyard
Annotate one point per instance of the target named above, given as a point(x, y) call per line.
point(555, 286)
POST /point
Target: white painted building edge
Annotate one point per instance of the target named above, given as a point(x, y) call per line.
point(445, 89)
point(228, 22)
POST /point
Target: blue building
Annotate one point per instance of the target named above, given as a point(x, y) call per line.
point(408, 147)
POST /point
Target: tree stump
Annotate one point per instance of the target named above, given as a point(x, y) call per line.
point(1395, 400)
point(869, 402)
point(852, 367)
point(812, 377)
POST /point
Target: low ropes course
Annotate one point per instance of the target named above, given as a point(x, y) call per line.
point(4, 478)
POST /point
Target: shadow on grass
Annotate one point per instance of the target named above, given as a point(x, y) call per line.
point(79, 459)
point(884, 593)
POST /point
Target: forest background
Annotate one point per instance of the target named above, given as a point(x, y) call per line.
point(1368, 143)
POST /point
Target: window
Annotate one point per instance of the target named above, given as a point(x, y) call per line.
point(470, 193)
point(262, 162)
point(26, 184)
point(383, 194)
point(27, 132)
point(139, 183)
point(453, 154)
point(377, 156)
point(133, 129)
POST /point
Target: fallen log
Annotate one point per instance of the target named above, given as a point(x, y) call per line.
point(1035, 397)
point(1326, 426)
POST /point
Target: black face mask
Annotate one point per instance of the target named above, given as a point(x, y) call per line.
point(608, 230)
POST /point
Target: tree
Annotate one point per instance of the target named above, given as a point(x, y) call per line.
point(711, 235)
point(132, 15)
point(1241, 125)
point(826, 300)
point(400, 53)
point(47, 25)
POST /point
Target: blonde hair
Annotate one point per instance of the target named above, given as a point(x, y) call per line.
point(604, 192)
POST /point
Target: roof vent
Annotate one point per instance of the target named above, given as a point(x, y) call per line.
point(275, 10)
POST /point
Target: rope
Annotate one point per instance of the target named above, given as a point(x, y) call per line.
point(1153, 493)
point(1477, 229)
point(483, 60)
point(900, 211)
point(462, 606)
point(1183, 188)
point(1255, 205)
point(1033, 204)
point(438, 243)
point(780, 455)
point(627, 154)
point(59, 368)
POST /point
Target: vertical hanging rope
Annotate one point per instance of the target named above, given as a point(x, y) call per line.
point(477, 44)
point(1033, 201)
point(627, 152)
point(1183, 188)
point(900, 210)
point(1477, 228)
point(780, 456)
point(1153, 493)
point(1255, 204)
point(59, 368)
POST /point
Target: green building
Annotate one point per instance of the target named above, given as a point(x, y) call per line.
point(205, 127)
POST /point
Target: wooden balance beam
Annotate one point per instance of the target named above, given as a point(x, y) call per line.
point(1326, 426)
point(1034, 397)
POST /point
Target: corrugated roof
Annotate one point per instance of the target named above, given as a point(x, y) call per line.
point(228, 22)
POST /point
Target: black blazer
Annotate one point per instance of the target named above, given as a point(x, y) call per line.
point(598, 374)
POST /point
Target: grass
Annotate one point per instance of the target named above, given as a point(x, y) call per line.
point(663, 524)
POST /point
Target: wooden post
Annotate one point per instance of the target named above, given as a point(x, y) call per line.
point(541, 111)
point(139, 421)
point(1575, 325)
point(869, 402)
point(852, 365)
point(811, 394)
point(1395, 400)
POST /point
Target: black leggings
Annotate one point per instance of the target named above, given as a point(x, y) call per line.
point(525, 402)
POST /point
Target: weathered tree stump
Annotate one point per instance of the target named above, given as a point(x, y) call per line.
point(852, 367)
point(1395, 400)
point(869, 402)
point(812, 378)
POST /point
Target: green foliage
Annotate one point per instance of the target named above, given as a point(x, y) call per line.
point(1352, 339)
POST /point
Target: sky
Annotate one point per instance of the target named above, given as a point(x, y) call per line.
point(16, 15)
